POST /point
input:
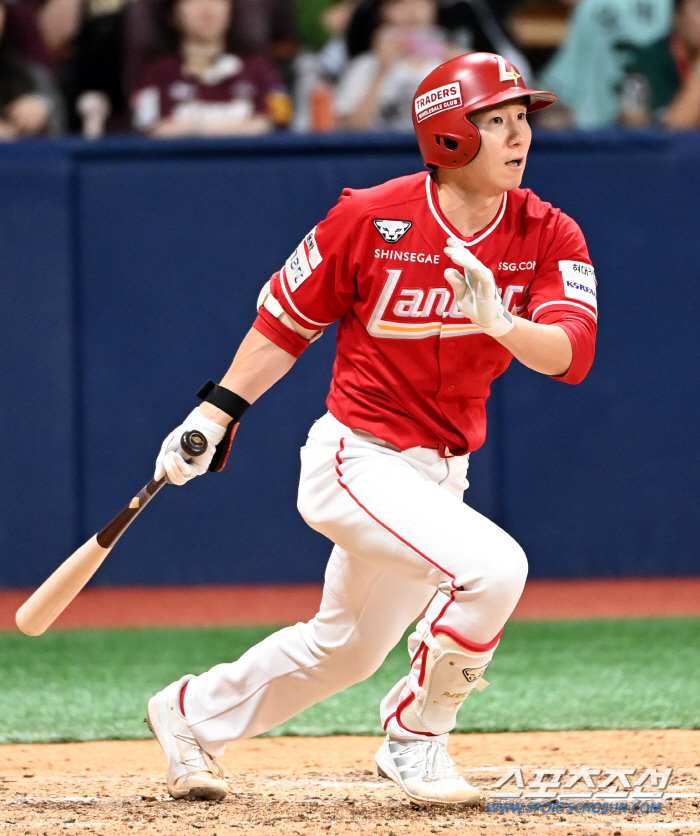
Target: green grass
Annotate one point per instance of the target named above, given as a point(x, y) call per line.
point(94, 684)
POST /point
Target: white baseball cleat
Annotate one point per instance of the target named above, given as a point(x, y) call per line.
point(425, 772)
point(192, 772)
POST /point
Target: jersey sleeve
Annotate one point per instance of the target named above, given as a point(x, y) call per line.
point(565, 279)
point(318, 282)
point(564, 293)
point(581, 331)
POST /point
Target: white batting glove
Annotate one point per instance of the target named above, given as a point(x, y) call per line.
point(171, 460)
point(476, 292)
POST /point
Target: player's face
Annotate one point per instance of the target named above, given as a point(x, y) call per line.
point(505, 141)
point(203, 21)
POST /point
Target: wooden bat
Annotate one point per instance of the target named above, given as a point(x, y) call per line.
point(42, 608)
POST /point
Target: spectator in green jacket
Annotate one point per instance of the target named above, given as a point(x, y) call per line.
point(589, 70)
point(663, 82)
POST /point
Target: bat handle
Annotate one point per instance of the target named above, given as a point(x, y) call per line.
point(194, 443)
point(109, 535)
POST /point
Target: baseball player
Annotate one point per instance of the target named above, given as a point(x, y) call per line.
point(437, 280)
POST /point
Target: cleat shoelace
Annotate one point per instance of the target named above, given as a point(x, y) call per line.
point(432, 759)
point(200, 761)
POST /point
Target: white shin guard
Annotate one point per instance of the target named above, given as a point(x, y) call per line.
point(448, 673)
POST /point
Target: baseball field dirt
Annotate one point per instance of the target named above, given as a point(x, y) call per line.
point(299, 786)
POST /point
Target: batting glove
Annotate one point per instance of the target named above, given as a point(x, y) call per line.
point(171, 459)
point(476, 292)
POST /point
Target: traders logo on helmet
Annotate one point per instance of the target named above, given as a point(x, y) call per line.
point(504, 74)
point(392, 231)
point(437, 100)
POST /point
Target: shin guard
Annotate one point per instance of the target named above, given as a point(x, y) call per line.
point(442, 677)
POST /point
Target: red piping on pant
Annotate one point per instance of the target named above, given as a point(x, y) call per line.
point(464, 642)
point(477, 648)
point(421, 675)
point(384, 525)
point(422, 651)
point(182, 698)
point(409, 699)
point(417, 653)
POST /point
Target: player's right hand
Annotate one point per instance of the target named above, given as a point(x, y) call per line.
point(171, 459)
point(476, 292)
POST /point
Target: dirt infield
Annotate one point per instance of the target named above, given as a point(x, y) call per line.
point(299, 786)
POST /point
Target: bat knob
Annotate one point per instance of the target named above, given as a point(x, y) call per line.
point(193, 443)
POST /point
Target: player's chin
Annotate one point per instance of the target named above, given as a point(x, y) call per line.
point(512, 176)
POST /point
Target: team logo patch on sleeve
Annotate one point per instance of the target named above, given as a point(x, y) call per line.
point(392, 231)
point(579, 282)
point(299, 265)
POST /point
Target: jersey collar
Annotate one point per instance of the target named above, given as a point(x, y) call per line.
point(434, 205)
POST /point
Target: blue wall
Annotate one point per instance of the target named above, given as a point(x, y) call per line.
point(129, 273)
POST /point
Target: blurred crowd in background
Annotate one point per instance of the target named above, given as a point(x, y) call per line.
point(169, 68)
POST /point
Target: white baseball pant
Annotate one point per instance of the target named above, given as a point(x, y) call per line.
point(404, 540)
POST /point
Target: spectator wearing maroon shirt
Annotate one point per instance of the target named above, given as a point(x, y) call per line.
point(201, 87)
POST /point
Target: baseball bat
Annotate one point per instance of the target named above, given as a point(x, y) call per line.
point(44, 606)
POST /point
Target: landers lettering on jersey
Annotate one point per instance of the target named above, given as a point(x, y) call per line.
point(300, 264)
point(437, 100)
point(391, 231)
point(402, 255)
point(414, 313)
point(579, 282)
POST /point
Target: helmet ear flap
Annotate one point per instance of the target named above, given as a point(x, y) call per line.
point(464, 147)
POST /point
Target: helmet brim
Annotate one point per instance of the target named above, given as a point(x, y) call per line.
point(539, 99)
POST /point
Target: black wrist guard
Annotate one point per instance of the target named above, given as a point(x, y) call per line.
point(224, 399)
point(234, 406)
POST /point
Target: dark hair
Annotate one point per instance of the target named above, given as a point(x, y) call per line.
point(170, 36)
point(363, 24)
point(15, 78)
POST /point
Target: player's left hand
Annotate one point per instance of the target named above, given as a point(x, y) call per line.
point(476, 292)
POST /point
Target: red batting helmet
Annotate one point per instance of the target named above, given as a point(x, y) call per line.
point(445, 98)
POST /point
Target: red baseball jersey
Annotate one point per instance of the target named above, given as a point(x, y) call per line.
point(410, 368)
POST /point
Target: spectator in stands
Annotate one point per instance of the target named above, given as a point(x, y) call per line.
point(333, 57)
point(589, 69)
point(376, 90)
point(470, 24)
point(29, 102)
point(258, 27)
point(316, 73)
point(394, 44)
point(200, 87)
point(88, 39)
point(663, 83)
